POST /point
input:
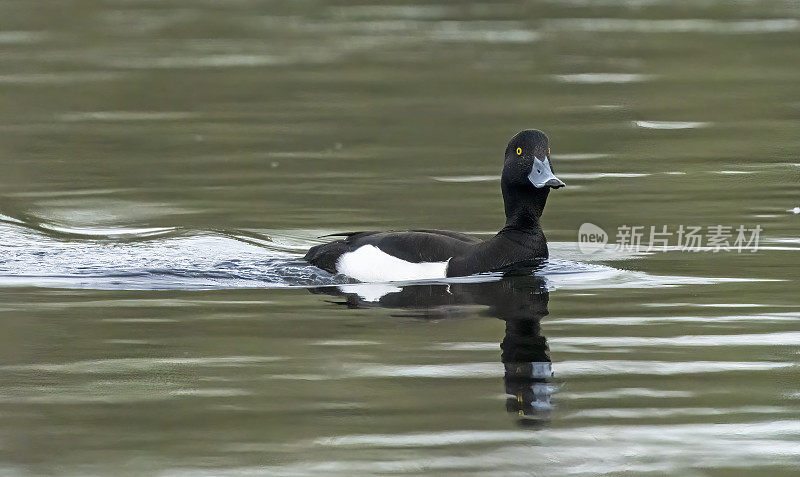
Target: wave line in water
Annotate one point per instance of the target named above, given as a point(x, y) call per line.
point(41, 254)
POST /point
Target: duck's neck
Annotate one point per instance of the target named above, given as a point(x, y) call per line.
point(524, 206)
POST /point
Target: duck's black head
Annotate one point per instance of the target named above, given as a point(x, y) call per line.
point(527, 175)
point(528, 161)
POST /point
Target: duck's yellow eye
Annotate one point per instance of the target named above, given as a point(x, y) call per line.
point(519, 151)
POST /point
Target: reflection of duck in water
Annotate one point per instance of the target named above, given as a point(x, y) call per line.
point(526, 357)
point(518, 299)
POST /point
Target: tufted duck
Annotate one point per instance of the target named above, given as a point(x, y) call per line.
point(426, 254)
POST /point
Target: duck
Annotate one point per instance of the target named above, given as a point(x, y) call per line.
point(388, 256)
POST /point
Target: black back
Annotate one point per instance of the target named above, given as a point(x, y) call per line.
point(412, 246)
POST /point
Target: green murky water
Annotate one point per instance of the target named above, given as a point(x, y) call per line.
point(163, 165)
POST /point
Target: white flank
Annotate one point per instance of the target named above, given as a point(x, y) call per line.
point(370, 264)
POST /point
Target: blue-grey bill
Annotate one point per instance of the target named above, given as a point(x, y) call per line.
point(542, 176)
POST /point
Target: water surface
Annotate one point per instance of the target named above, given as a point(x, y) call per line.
point(164, 165)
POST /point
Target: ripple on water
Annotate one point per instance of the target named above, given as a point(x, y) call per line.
point(459, 32)
point(53, 255)
point(425, 439)
point(569, 368)
point(126, 116)
point(602, 175)
point(653, 412)
point(579, 156)
point(634, 320)
point(427, 12)
point(199, 61)
point(60, 77)
point(788, 338)
point(600, 78)
point(486, 178)
point(132, 365)
point(685, 25)
point(670, 124)
point(593, 450)
point(21, 37)
point(733, 172)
